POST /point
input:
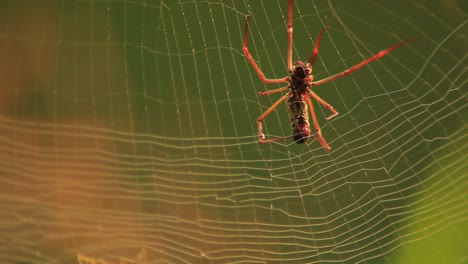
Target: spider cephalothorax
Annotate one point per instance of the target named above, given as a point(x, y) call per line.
point(301, 70)
point(300, 79)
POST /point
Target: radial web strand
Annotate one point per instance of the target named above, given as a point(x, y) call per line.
point(128, 134)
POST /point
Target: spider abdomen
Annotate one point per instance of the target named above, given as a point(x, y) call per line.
point(299, 117)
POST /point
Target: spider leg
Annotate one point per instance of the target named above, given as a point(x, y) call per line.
point(253, 63)
point(268, 92)
point(316, 46)
point(261, 136)
point(318, 134)
point(289, 29)
point(323, 103)
point(378, 55)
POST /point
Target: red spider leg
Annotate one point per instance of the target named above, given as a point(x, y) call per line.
point(261, 136)
point(323, 103)
point(316, 46)
point(318, 134)
point(268, 92)
point(255, 66)
point(378, 55)
point(290, 35)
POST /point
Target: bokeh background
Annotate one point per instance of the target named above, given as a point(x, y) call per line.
point(127, 134)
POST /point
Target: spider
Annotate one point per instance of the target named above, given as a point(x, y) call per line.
point(299, 81)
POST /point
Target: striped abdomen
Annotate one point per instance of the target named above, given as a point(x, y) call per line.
point(299, 117)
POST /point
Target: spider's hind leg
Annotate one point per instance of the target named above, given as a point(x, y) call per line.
point(260, 135)
point(318, 134)
point(324, 104)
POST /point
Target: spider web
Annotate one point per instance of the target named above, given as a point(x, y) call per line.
point(128, 134)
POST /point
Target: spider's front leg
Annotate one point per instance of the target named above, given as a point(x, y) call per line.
point(253, 63)
point(376, 56)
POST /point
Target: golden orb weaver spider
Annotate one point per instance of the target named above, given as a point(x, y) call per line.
point(300, 79)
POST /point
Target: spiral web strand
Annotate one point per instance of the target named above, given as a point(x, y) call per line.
point(128, 134)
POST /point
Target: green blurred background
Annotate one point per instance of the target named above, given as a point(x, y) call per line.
point(127, 134)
